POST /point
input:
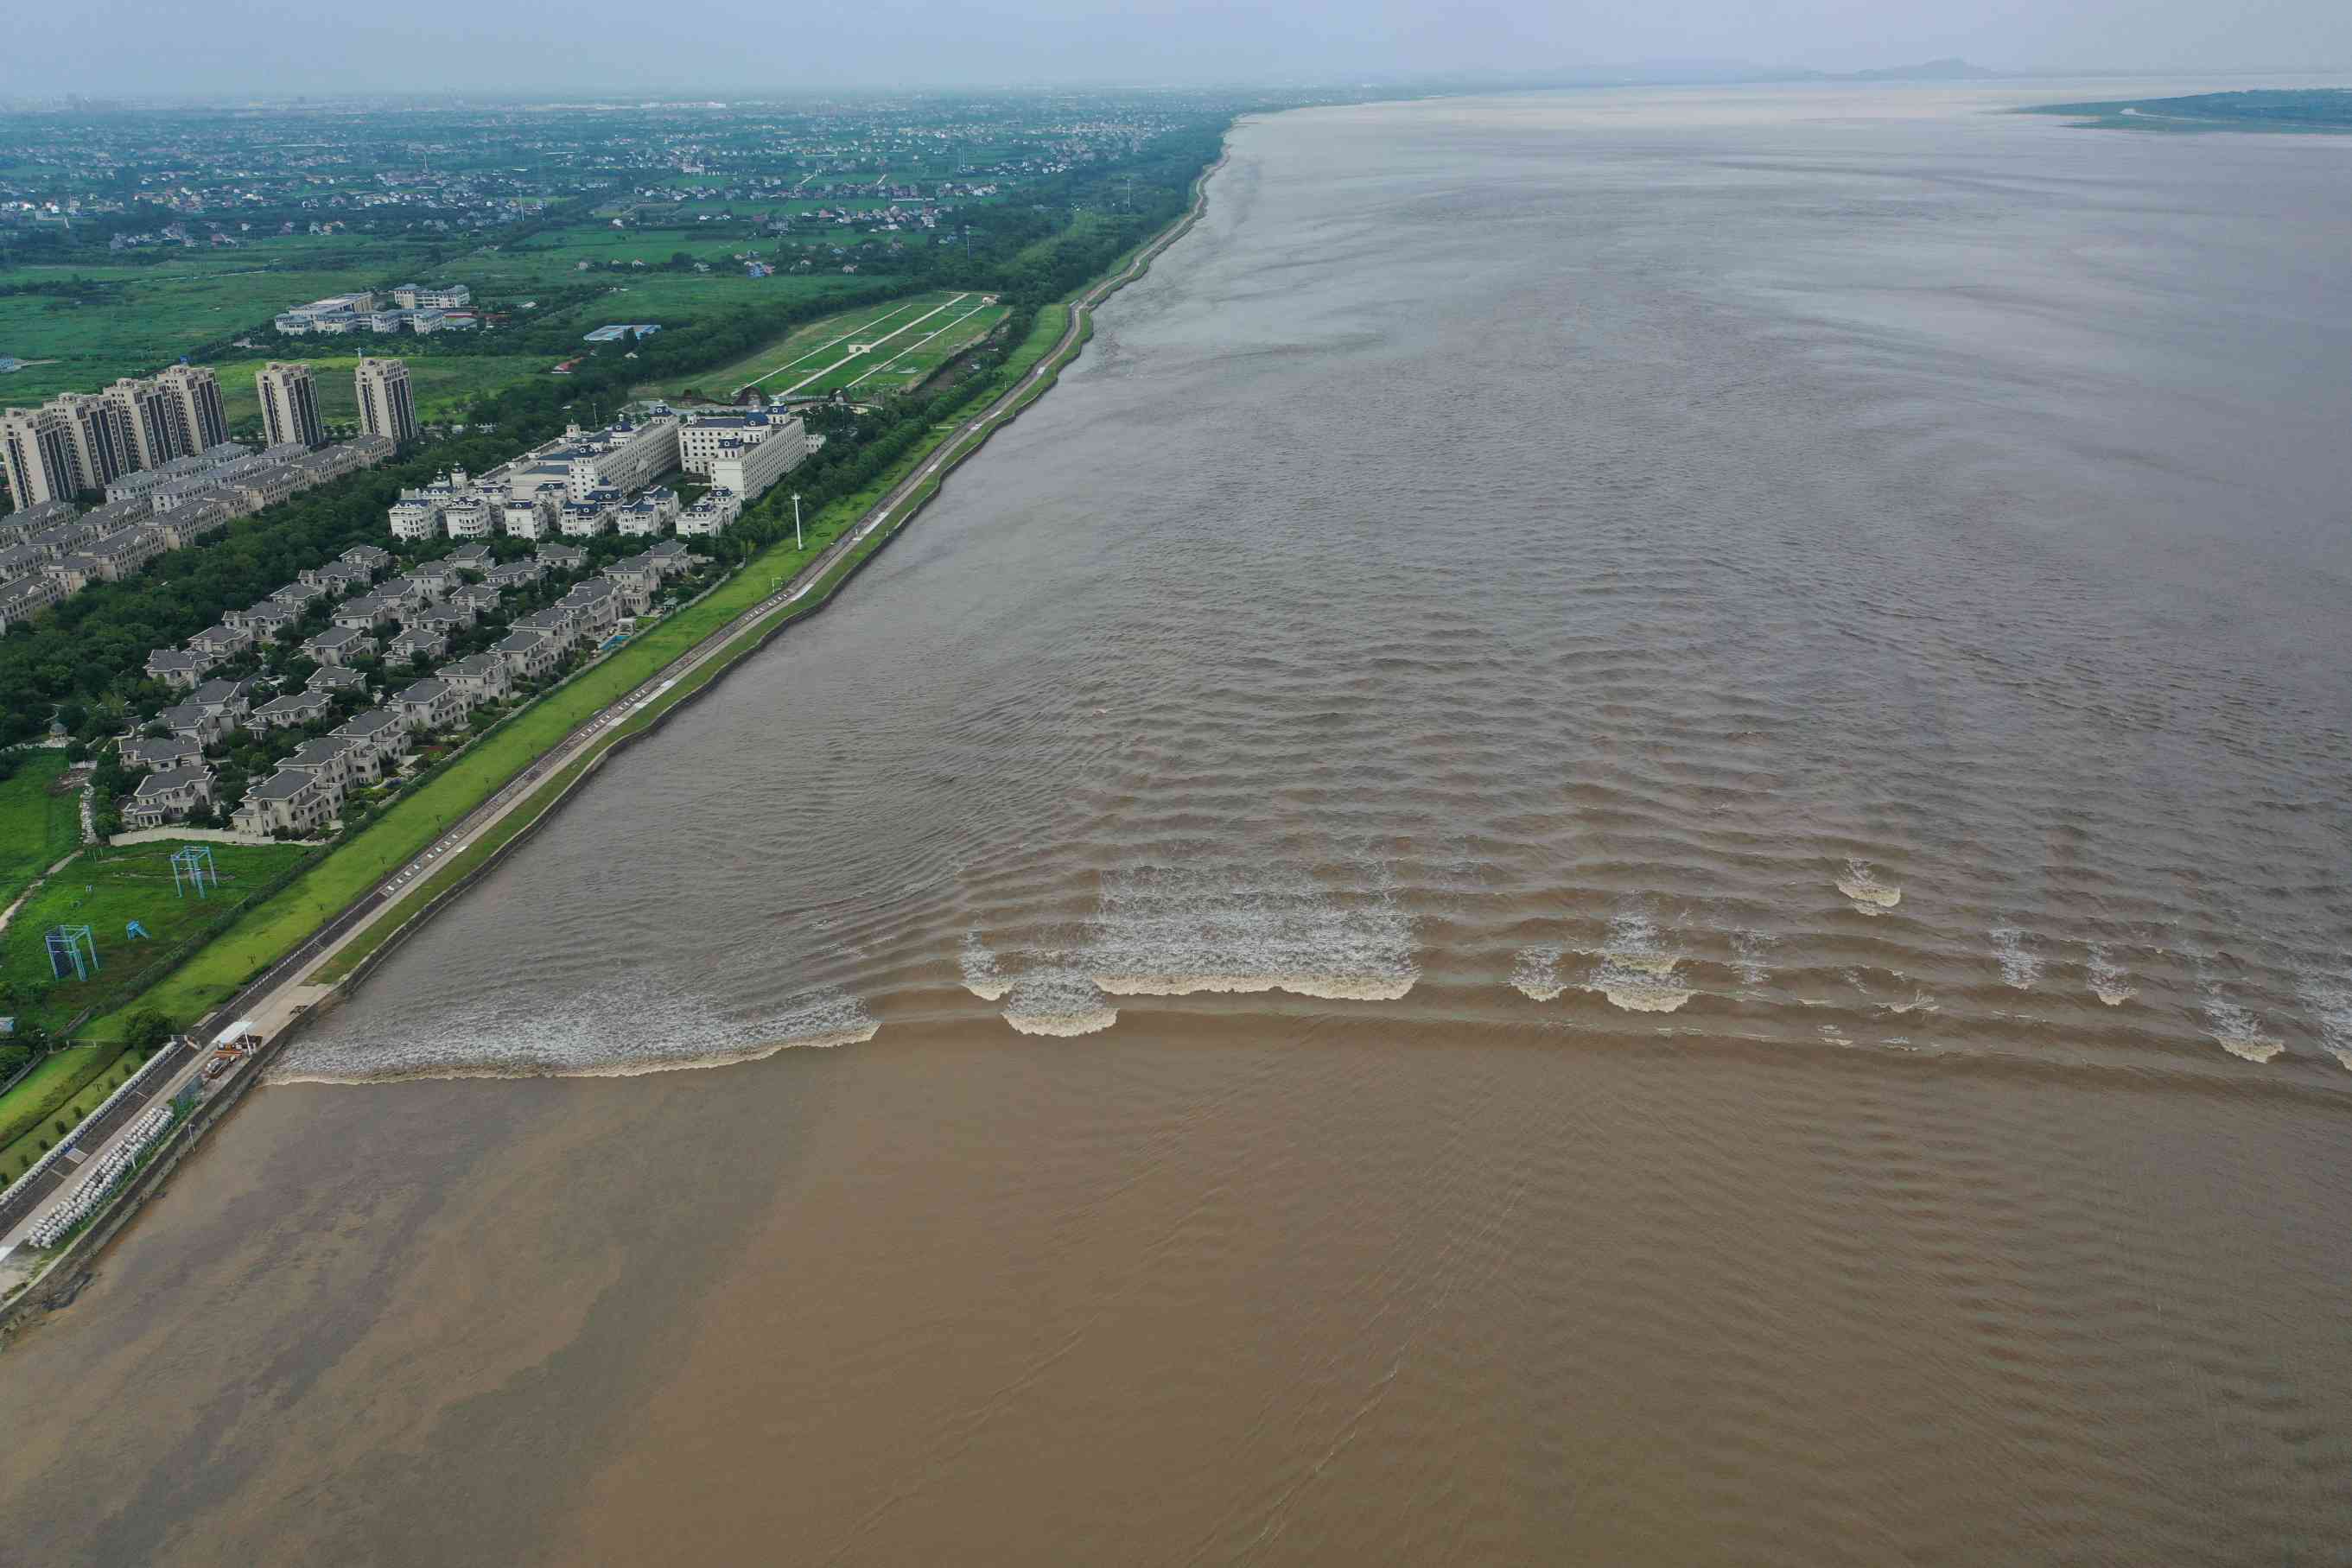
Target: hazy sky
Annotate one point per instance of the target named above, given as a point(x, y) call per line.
point(277, 47)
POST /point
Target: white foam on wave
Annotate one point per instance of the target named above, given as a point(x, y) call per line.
point(1164, 932)
point(1865, 891)
point(2020, 966)
point(1059, 1000)
point(983, 975)
point(1747, 956)
point(1636, 972)
point(2108, 979)
point(1536, 973)
point(620, 1031)
point(2329, 997)
point(2237, 1030)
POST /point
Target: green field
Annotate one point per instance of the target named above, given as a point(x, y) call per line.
point(552, 261)
point(66, 1087)
point(443, 386)
point(878, 349)
point(38, 825)
point(105, 889)
point(148, 311)
point(147, 315)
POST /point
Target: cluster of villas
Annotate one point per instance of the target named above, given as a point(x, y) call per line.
point(587, 482)
point(53, 550)
point(427, 605)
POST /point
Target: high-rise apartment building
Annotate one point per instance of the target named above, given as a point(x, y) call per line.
point(387, 407)
point(36, 449)
point(101, 446)
point(152, 420)
point(290, 404)
point(195, 391)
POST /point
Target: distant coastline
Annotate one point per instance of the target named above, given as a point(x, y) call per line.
point(2307, 111)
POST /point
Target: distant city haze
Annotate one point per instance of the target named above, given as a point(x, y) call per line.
point(144, 48)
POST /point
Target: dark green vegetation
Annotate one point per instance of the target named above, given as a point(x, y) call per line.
point(2314, 110)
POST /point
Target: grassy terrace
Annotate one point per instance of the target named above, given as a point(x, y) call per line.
point(40, 822)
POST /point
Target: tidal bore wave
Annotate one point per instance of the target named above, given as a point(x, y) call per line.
point(1536, 974)
point(1636, 972)
point(1059, 1000)
point(621, 1031)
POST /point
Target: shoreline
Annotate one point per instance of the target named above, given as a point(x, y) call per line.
point(346, 948)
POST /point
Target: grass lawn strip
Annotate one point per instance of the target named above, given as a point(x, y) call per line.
point(37, 828)
point(29, 1113)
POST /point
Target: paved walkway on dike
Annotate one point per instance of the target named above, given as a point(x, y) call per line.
point(210, 835)
point(289, 989)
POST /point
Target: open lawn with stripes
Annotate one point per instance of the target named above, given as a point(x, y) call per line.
point(881, 347)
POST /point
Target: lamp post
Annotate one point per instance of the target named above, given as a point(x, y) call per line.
point(796, 520)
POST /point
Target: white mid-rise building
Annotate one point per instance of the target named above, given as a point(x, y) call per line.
point(584, 519)
point(534, 518)
point(702, 436)
point(624, 457)
point(749, 469)
point(471, 518)
point(415, 517)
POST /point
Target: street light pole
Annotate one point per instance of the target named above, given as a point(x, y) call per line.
point(796, 520)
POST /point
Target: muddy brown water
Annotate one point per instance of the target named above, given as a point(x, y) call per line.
point(1622, 840)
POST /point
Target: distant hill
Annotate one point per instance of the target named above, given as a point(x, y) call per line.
point(1931, 70)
